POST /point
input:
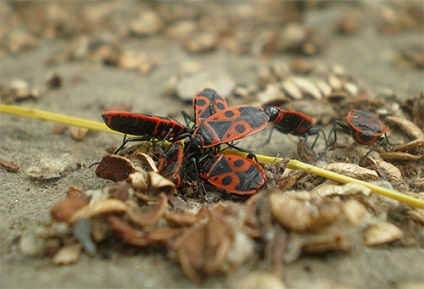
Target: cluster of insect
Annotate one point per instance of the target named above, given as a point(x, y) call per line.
point(196, 148)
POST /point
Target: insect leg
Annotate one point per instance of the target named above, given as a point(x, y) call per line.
point(342, 127)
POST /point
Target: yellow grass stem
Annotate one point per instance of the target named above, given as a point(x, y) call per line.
point(55, 117)
point(297, 165)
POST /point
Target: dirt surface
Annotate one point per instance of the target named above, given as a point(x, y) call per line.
point(90, 87)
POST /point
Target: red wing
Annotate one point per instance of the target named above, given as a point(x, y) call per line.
point(232, 123)
point(206, 103)
point(234, 174)
point(142, 124)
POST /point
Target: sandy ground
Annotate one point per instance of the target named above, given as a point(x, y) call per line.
point(368, 55)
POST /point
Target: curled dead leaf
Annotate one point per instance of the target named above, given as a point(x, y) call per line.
point(138, 181)
point(115, 168)
point(144, 160)
point(128, 233)
point(142, 238)
point(98, 208)
point(382, 233)
point(158, 182)
point(399, 156)
point(386, 170)
point(405, 126)
point(75, 193)
point(251, 223)
point(78, 133)
point(53, 81)
point(417, 215)
point(289, 178)
point(302, 211)
point(242, 250)
point(418, 143)
point(291, 212)
point(67, 255)
point(354, 211)
point(341, 190)
point(260, 279)
point(9, 166)
point(182, 218)
point(331, 238)
point(62, 211)
point(203, 248)
point(47, 169)
point(31, 245)
point(352, 170)
point(151, 217)
point(418, 111)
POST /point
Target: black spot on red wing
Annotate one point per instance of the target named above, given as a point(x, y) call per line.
point(220, 106)
point(239, 163)
point(227, 180)
point(240, 128)
point(229, 113)
point(250, 179)
point(217, 166)
point(201, 102)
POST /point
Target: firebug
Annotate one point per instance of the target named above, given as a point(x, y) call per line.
point(235, 174)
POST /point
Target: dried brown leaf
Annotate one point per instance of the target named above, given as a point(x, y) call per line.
point(418, 111)
point(128, 233)
point(288, 179)
point(399, 156)
point(144, 161)
point(182, 218)
point(75, 193)
point(344, 190)
point(354, 211)
point(331, 238)
point(98, 208)
point(59, 129)
point(67, 255)
point(158, 182)
point(151, 217)
point(138, 181)
point(382, 233)
point(62, 211)
point(78, 133)
point(204, 248)
point(115, 168)
point(406, 126)
point(352, 170)
point(47, 169)
point(261, 279)
point(53, 81)
point(417, 215)
point(386, 170)
point(251, 223)
point(411, 145)
point(291, 212)
point(9, 166)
